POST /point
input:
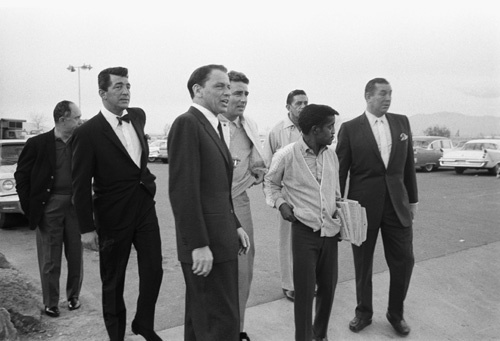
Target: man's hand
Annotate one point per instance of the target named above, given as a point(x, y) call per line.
point(413, 211)
point(202, 261)
point(287, 212)
point(90, 241)
point(244, 241)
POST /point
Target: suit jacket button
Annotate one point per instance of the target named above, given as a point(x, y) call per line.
point(232, 211)
point(48, 189)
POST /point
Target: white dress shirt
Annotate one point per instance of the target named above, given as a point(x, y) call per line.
point(214, 121)
point(126, 133)
point(382, 132)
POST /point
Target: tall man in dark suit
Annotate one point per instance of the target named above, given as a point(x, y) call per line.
point(376, 154)
point(208, 232)
point(43, 182)
point(110, 157)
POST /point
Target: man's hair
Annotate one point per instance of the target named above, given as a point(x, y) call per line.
point(235, 76)
point(370, 86)
point(200, 76)
point(292, 94)
point(314, 115)
point(62, 109)
point(104, 77)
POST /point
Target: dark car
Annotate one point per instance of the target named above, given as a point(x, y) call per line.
point(428, 150)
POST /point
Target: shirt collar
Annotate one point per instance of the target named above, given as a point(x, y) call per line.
point(305, 148)
point(372, 118)
point(237, 122)
point(208, 114)
point(110, 117)
point(289, 123)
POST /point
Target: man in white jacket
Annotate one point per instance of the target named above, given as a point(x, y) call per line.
point(242, 138)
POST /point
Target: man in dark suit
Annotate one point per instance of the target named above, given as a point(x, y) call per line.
point(43, 182)
point(114, 195)
point(208, 232)
point(376, 155)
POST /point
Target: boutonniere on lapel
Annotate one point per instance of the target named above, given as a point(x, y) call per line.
point(403, 137)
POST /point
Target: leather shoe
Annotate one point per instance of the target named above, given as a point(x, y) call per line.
point(357, 324)
point(148, 334)
point(289, 294)
point(244, 337)
point(52, 311)
point(401, 327)
point(74, 303)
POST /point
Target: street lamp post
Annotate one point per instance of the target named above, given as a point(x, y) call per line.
point(72, 68)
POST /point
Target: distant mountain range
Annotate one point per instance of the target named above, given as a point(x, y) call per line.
point(465, 126)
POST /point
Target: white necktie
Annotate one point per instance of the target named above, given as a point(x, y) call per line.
point(384, 143)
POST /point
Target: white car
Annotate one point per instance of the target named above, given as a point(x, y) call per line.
point(9, 201)
point(475, 154)
point(158, 151)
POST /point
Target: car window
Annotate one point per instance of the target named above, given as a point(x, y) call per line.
point(9, 153)
point(420, 144)
point(436, 145)
point(447, 144)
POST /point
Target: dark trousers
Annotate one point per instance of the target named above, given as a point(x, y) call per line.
point(315, 263)
point(398, 249)
point(58, 227)
point(212, 309)
point(114, 253)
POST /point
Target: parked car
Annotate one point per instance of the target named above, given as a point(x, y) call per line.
point(428, 150)
point(158, 151)
point(475, 154)
point(9, 201)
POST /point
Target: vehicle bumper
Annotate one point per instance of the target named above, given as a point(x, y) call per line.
point(479, 164)
point(10, 204)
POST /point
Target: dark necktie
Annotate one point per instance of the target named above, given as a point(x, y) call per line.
point(125, 118)
point(221, 134)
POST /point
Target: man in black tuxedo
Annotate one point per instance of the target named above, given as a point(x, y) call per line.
point(110, 161)
point(207, 230)
point(43, 182)
point(376, 154)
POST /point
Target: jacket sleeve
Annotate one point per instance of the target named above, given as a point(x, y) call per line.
point(410, 177)
point(184, 183)
point(23, 174)
point(82, 170)
point(343, 151)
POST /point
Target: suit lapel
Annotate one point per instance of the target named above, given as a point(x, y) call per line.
point(51, 149)
point(215, 137)
point(369, 137)
point(140, 135)
point(395, 133)
point(110, 134)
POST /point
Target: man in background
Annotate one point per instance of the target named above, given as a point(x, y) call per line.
point(285, 132)
point(43, 182)
point(375, 152)
point(242, 138)
point(114, 193)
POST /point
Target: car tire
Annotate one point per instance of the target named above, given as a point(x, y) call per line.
point(151, 159)
point(164, 160)
point(493, 171)
point(428, 168)
point(459, 170)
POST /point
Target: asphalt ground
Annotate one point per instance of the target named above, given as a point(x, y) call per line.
point(457, 213)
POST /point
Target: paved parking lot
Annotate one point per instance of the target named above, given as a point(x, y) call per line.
point(456, 213)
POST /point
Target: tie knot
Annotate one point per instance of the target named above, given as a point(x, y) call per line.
point(125, 118)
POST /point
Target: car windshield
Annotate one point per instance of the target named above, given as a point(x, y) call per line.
point(420, 144)
point(9, 153)
point(480, 146)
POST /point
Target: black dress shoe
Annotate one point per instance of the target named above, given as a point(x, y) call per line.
point(52, 311)
point(357, 324)
point(148, 334)
point(74, 303)
point(244, 337)
point(400, 326)
point(289, 294)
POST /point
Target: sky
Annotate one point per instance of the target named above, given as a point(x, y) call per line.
point(438, 55)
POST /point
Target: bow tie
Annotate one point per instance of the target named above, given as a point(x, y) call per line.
point(125, 118)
